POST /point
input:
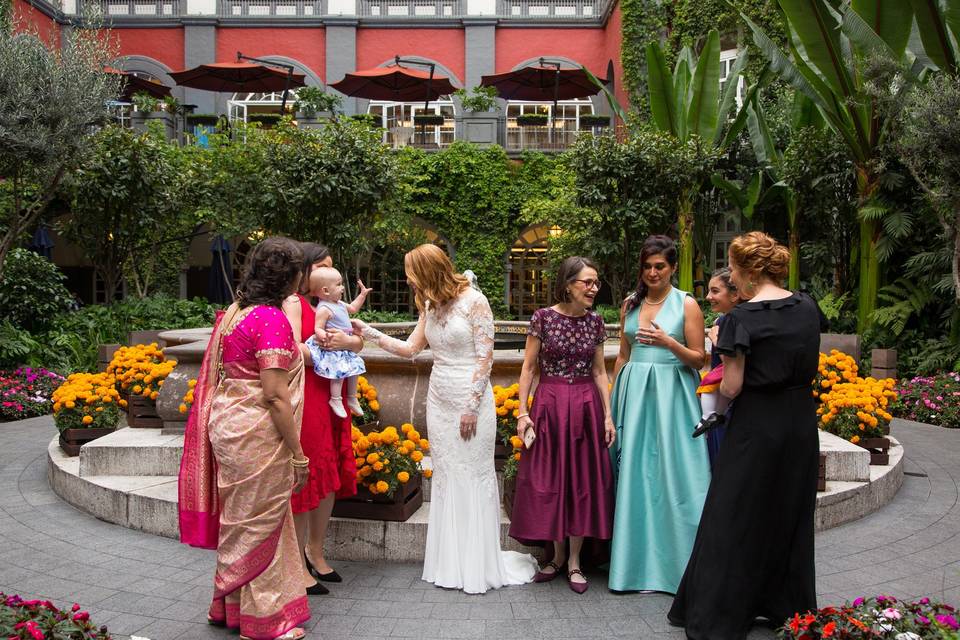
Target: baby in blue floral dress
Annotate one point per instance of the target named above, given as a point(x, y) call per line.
point(326, 283)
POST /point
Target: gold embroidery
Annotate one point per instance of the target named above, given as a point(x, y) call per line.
point(262, 353)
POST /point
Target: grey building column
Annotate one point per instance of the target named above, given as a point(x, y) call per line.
point(480, 49)
point(65, 31)
point(200, 47)
point(341, 38)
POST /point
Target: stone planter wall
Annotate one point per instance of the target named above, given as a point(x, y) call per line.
point(483, 128)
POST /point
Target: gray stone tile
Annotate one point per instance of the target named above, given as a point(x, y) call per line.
point(415, 628)
point(169, 630)
point(629, 626)
point(450, 611)
point(533, 610)
point(490, 611)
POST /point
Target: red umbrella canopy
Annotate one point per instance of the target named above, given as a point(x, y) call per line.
point(135, 84)
point(398, 84)
point(236, 77)
point(542, 84)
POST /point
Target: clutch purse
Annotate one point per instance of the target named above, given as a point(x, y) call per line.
point(529, 436)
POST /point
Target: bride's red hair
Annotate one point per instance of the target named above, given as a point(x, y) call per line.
point(433, 277)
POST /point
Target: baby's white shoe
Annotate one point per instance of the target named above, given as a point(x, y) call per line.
point(337, 405)
point(355, 407)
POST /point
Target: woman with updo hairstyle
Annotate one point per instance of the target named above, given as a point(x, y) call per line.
point(662, 474)
point(754, 554)
point(242, 457)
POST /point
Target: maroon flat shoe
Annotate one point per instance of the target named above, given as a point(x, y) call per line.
point(540, 576)
point(577, 587)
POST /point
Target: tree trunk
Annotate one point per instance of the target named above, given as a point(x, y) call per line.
point(867, 184)
point(685, 233)
point(794, 219)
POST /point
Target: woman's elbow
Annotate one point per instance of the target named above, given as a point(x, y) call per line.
point(730, 389)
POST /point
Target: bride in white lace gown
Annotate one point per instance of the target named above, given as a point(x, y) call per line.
point(463, 533)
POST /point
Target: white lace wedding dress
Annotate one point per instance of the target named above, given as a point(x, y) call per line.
point(463, 533)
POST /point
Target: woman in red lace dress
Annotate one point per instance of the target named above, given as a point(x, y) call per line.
point(325, 438)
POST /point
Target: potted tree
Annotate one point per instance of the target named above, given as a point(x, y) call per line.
point(479, 120)
point(313, 106)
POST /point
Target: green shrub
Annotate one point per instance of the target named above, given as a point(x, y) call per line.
point(610, 314)
point(31, 290)
point(384, 316)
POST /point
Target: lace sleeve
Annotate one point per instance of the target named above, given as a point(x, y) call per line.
point(408, 348)
point(481, 321)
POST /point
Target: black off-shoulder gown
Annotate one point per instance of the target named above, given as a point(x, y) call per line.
point(753, 554)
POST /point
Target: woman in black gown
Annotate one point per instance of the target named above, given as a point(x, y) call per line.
point(753, 555)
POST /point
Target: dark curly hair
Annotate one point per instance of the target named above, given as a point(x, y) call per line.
point(270, 272)
point(313, 252)
point(652, 246)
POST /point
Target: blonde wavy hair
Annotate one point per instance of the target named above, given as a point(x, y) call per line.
point(760, 255)
point(431, 273)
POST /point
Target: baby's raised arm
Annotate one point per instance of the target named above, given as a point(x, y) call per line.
point(320, 324)
point(357, 303)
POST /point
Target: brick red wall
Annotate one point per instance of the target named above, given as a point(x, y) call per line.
point(307, 45)
point(27, 18)
point(162, 44)
point(585, 46)
point(445, 46)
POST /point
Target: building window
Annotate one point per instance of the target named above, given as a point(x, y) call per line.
point(726, 231)
point(244, 105)
point(563, 122)
point(396, 118)
point(529, 278)
point(727, 59)
point(100, 289)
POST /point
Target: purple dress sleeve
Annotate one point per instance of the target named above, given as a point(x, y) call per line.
point(600, 331)
point(536, 325)
point(274, 347)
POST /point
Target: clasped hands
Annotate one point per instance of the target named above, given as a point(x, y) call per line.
point(653, 335)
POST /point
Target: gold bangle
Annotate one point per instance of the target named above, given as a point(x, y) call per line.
point(523, 415)
point(300, 464)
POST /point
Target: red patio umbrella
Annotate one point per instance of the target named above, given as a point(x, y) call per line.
point(396, 83)
point(542, 83)
point(134, 84)
point(256, 76)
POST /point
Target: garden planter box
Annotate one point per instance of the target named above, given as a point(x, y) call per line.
point(822, 473)
point(368, 427)
point(500, 454)
point(72, 439)
point(878, 448)
point(367, 506)
point(509, 493)
point(142, 413)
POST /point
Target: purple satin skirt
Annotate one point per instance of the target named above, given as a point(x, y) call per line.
point(565, 480)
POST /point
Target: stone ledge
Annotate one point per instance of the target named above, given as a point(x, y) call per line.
point(846, 501)
point(845, 460)
point(132, 452)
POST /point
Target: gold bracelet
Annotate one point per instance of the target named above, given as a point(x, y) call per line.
point(523, 415)
point(300, 464)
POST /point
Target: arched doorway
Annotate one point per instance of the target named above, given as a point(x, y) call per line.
point(529, 270)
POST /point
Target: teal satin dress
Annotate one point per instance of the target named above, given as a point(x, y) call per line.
point(662, 473)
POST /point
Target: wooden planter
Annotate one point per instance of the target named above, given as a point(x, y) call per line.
point(822, 473)
point(878, 448)
point(501, 453)
point(142, 413)
point(367, 506)
point(369, 427)
point(72, 439)
point(509, 493)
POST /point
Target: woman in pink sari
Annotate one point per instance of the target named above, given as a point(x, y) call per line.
point(242, 456)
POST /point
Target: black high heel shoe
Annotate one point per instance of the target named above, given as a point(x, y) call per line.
point(333, 576)
point(710, 422)
point(317, 590)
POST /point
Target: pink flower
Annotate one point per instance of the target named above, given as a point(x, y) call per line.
point(75, 607)
point(859, 601)
point(949, 621)
point(890, 613)
point(83, 616)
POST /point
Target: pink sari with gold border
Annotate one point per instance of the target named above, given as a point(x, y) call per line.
point(236, 478)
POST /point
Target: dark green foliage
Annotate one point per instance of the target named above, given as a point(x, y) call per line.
point(32, 290)
point(265, 119)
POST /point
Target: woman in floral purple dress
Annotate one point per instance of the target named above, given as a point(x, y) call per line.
point(565, 480)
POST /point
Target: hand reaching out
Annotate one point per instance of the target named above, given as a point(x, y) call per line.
point(362, 289)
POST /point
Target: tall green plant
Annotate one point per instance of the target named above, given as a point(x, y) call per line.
point(50, 101)
point(828, 51)
point(688, 103)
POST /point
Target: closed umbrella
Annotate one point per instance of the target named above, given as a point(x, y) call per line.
point(220, 286)
point(41, 243)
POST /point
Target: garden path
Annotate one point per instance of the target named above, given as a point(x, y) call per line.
point(155, 588)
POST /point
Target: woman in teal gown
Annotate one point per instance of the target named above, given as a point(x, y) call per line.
point(662, 472)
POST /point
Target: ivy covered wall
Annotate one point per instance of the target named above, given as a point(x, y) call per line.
point(686, 22)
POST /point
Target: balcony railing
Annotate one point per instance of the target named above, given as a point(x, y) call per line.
point(272, 8)
point(411, 8)
point(539, 138)
point(554, 9)
point(138, 8)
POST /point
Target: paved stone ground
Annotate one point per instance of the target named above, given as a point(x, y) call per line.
point(152, 587)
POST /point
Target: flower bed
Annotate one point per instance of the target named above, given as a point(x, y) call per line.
point(854, 408)
point(86, 401)
point(42, 620)
point(140, 369)
point(27, 392)
point(931, 399)
point(367, 395)
point(385, 460)
point(879, 617)
point(186, 403)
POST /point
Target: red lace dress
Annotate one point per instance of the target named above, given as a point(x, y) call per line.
point(325, 438)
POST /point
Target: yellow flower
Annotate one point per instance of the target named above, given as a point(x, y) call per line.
point(424, 444)
point(87, 420)
point(403, 477)
point(375, 406)
point(373, 457)
point(427, 473)
point(377, 466)
point(416, 456)
point(516, 456)
point(406, 427)
point(183, 408)
point(192, 383)
point(382, 486)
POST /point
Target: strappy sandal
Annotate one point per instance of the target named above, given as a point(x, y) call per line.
point(547, 577)
point(577, 587)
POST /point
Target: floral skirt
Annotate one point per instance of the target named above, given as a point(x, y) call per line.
point(334, 365)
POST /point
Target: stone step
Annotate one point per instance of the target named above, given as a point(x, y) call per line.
point(132, 452)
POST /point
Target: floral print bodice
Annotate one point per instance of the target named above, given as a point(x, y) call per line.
point(567, 343)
